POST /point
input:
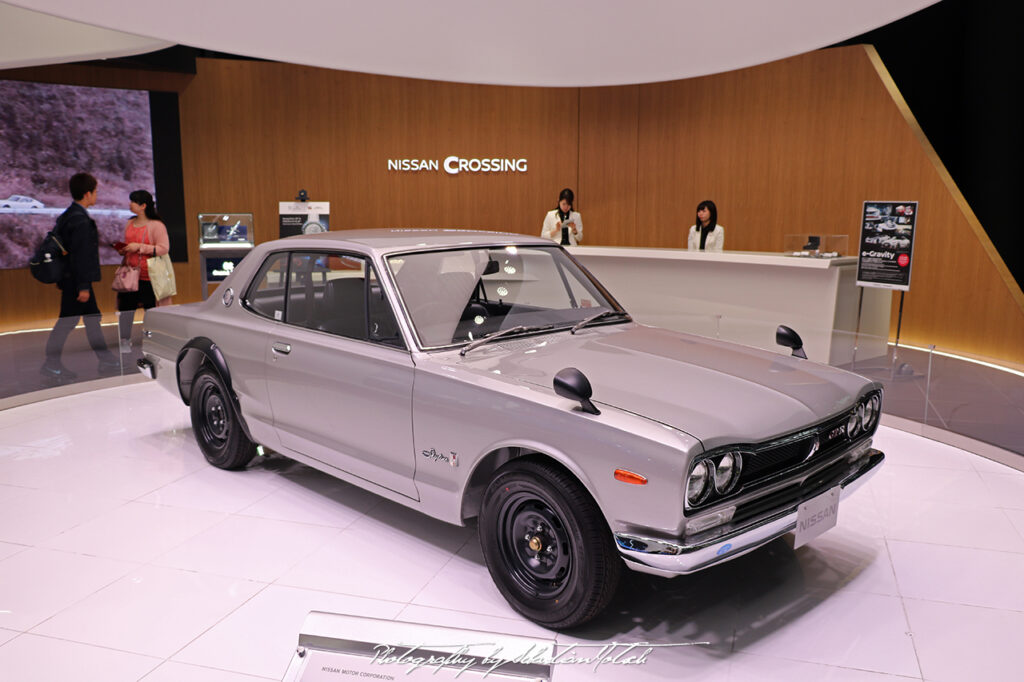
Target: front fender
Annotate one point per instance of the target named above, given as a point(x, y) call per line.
point(191, 358)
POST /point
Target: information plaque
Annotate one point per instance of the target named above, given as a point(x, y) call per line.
point(303, 217)
point(334, 647)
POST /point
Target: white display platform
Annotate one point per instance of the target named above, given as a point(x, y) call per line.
point(743, 296)
point(125, 556)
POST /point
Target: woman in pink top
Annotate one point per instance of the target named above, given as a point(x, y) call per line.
point(145, 236)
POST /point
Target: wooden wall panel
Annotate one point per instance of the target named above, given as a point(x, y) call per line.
point(794, 146)
point(606, 194)
point(797, 146)
point(332, 134)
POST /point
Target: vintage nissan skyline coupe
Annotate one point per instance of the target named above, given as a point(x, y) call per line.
point(488, 376)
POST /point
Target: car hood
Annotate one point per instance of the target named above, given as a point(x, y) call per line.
point(718, 392)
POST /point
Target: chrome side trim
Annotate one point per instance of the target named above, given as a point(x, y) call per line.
point(667, 558)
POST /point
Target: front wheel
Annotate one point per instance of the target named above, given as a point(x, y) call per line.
point(547, 545)
point(216, 424)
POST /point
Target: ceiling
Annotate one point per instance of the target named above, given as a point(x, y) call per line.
point(516, 42)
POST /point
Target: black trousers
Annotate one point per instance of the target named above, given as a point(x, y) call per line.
point(70, 310)
point(128, 301)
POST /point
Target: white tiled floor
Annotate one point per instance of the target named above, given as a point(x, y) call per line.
point(124, 556)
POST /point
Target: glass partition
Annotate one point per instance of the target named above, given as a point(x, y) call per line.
point(981, 398)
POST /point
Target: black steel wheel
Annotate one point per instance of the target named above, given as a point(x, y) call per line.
point(216, 424)
point(547, 545)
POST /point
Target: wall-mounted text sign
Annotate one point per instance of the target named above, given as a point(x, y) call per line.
point(453, 165)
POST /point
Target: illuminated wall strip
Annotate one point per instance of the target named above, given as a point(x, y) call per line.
point(46, 329)
point(961, 357)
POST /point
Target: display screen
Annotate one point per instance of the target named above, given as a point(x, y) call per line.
point(218, 268)
point(50, 132)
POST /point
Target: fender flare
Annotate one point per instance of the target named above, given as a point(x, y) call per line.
point(192, 356)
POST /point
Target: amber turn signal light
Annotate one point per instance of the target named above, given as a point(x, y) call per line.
point(629, 477)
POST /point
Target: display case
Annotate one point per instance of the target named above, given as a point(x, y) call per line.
point(816, 246)
point(224, 240)
point(225, 230)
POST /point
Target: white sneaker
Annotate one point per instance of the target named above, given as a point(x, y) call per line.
point(126, 346)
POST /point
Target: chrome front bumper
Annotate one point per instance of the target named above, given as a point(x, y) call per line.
point(666, 558)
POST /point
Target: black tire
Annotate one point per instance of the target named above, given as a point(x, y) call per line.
point(547, 545)
point(216, 424)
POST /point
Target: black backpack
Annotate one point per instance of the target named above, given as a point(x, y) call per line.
point(50, 261)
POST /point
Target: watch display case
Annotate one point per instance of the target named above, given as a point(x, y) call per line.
point(230, 230)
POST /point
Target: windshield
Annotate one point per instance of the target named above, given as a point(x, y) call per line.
point(457, 296)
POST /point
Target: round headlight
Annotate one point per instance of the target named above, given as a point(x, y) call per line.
point(853, 423)
point(726, 470)
point(697, 483)
point(869, 413)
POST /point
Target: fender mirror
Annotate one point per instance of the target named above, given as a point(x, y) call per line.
point(784, 336)
point(573, 384)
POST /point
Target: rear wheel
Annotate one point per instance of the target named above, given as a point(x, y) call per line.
point(547, 545)
point(216, 424)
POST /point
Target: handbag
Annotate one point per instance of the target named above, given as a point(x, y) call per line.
point(126, 278)
point(161, 276)
point(161, 273)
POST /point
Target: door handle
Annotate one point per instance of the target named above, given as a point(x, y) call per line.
point(281, 348)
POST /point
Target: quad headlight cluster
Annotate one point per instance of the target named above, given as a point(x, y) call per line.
point(717, 474)
point(864, 417)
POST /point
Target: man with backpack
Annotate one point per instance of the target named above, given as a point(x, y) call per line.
point(80, 237)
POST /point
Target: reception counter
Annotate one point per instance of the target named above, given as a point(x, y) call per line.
point(743, 296)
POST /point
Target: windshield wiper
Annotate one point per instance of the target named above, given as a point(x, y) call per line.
point(494, 336)
point(600, 316)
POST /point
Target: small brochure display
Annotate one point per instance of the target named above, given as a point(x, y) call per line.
point(816, 246)
point(335, 647)
point(304, 217)
point(224, 240)
point(886, 244)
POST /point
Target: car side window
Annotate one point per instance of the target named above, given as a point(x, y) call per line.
point(266, 296)
point(339, 294)
point(383, 326)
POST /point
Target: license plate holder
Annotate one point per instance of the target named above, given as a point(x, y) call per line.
point(817, 515)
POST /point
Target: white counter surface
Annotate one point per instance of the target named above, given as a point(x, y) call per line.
point(745, 257)
point(743, 296)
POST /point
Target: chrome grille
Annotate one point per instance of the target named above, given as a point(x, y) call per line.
point(774, 457)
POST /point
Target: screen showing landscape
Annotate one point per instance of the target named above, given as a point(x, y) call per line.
point(50, 132)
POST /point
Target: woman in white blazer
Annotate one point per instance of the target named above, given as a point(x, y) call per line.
point(709, 236)
point(563, 217)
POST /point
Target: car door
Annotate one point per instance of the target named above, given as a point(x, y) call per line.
point(339, 375)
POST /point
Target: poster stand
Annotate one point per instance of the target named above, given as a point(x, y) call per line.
point(898, 369)
point(856, 331)
point(885, 259)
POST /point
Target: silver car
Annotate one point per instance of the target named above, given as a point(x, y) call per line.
point(488, 376)
point(20, 201)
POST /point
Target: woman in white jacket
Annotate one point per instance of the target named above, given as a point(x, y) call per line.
point(706, 234)
point(563, 225)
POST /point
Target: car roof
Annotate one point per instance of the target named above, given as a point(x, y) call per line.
point(406, 239)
